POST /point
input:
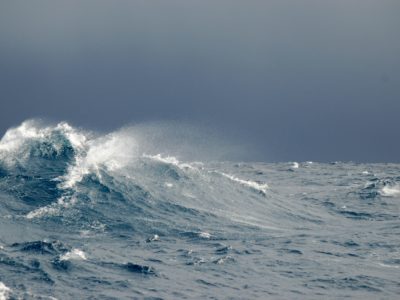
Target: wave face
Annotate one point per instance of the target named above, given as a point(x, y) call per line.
point(85, 215)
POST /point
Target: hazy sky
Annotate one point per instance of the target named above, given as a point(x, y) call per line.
point(293, 80)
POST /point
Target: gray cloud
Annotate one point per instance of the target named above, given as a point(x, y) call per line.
point(296, 80)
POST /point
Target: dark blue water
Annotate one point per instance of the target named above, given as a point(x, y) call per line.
point(89, 216)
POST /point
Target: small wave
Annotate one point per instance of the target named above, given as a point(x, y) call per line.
point(41, 247)
point(223, 260)
point(204, 235)
point(4, 291)
point(261, 187)
point(385, 187)
point(140, 269)
point(390, 191)
point(154, 238)
point(74, 254)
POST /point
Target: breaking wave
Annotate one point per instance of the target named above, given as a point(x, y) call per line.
point(105, 207)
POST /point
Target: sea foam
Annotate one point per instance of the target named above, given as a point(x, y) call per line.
point(261, 187)
point(4, 291)
point(74, 254)
point(390, 191)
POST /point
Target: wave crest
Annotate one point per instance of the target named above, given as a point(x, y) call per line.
point(103, 175)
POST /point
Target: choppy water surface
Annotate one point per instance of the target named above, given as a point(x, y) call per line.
point(94, 216)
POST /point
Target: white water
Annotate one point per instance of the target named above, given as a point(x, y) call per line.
point(261, 187)
point(74, 254)
point(390, 191)
point(4, 291)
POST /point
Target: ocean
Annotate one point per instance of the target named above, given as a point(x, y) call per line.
point(85, 215)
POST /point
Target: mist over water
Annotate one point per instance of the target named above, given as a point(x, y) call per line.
point(130, 214)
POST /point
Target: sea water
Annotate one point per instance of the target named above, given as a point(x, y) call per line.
point(96, 216)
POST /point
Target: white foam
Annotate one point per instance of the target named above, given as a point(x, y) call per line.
point(32, 130)
point(390, 191)
point(74, 254)
point(14, 142)
point(388, 266)
point(204, 235)
point(154, 238)
point(52, 209)
point(168, 185)
point(4, 291)
point(171, 160)
point(222, 260)
point(42, 211)
point(261, 187)
point(85, 233)
point(77, 138)
point(295, 165)
point(14, 137)
point(365, 172)
point(113, 151)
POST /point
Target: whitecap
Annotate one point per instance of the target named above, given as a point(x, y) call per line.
point(222, 260)
point(112, 151)
point(52, 209)
point(170, 160)
point(261, 187)
point(4, 291)
point(154, 238)
point(388, 266)
point(42, 211)
point(390, 191)
point(204, 235)
point(85, 233)
point(74, 254)
point(12, 144)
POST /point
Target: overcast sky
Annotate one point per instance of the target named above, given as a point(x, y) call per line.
point(292, 80)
